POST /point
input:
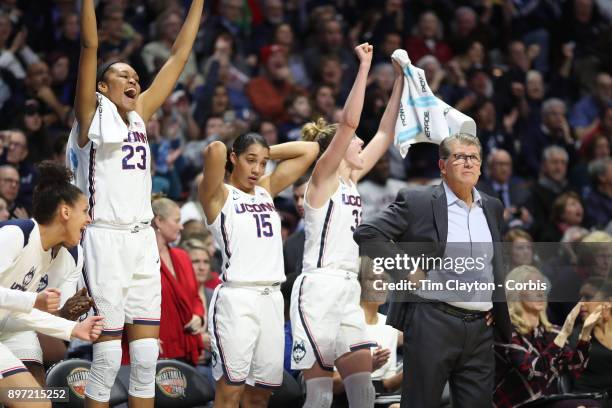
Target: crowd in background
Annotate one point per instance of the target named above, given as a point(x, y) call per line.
point(534, 74)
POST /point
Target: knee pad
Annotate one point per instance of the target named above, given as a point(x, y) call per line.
point(143, 360)
point(319, 392)
point(104, 367)
point(360, 390)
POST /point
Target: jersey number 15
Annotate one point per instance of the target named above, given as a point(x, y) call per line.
point(264, 227)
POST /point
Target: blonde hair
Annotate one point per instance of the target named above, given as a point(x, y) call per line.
point(161, 205)
point(522, 274)
point(597, 237)
point(320, 132)
point(194, 244)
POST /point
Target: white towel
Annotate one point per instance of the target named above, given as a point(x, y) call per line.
point(423, 117)
point(107, 126)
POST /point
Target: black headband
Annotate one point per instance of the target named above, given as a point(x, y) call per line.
point(102, 70)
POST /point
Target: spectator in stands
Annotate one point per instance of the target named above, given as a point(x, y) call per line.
point(528, 367)
point(201, 261)
point(582, 255)
point(500, 183)
point(183, 314)
point(521, 251)
point(285, 36)
point(118, 39)
point(492, 134)
point(9, 189)
point(263, 33)
point(155, 53)
point(12, 54)
point(61, 83)
point(228, 21)
point(551, 183)
point(38, 86)
point(427, 39)
point(4, 212)
point(268, 91)
point(330, 42)
point(377, 190)
point(293, 248)
point(598, 147)
point(16, 155)
point(38, 138)
point(392, 40)
point(68, 42)
point(300, 112)
point(596, 375)
point(587, 110)
point(465, 29)
point(330, 74)
point(603, 128)
point(553, 130)
point(567, 211)
point(324, 103)
point(598, 202)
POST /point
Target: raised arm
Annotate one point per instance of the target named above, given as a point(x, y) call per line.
point(380, 143)
point(163, 84)
point(85, 98)
point(323, 178)
point(211, 191)
point(295, 159)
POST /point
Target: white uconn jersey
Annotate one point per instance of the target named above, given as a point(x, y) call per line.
point(114, 168)
point(248, 231)
point(26, 266)
point(329, 231)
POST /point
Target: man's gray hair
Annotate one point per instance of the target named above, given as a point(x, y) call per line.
point(598, 168)
point(462, 138)
point(551, 150)
point(550, 103)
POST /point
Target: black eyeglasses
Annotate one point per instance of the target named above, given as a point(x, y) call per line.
point(460, 158)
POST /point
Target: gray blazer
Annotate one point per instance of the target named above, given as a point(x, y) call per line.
point(420, 215)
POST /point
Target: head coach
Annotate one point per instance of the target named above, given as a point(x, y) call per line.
point(446, 340)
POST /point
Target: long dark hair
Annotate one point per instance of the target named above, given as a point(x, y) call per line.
point(241, 144)
point(53, 188)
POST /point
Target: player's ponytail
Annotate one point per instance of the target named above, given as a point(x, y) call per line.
point(320, 132)
point(53, 189)
point(241, 144)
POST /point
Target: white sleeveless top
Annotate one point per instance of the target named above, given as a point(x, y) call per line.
point(114, 168)
point(248, 231)
point(329, 231)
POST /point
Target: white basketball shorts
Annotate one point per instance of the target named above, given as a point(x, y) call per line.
point(326, 319)
point(246, 324)
point(122, 275)
point(9, 364)
point(24, 345)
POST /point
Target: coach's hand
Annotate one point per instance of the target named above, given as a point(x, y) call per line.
point(78, 304)
point(48, 300)
point(89, 329)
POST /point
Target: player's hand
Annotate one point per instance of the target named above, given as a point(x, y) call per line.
point(194, 325)
point(380, 358)
point(48, 300)
point(364, 53)
point(89, 329)
point(78, 304)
